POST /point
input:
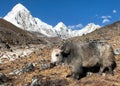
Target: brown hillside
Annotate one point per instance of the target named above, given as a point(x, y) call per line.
point(14, 35)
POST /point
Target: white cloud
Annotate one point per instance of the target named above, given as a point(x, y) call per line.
point(105, 17)
point(105, 20)
point(78, 26)
point(114, 11)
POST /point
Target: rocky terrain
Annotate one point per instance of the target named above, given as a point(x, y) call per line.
point(24, 62)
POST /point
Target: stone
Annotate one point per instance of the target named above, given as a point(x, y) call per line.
point(35, 82)
point(117, 51)
point(44, 66)
point(17, 71)
point(3, 77)
point(28, 67)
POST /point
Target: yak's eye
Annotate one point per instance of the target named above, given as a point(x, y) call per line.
point(57, 54)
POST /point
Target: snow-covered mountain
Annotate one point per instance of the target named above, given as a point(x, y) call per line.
point(21, 17)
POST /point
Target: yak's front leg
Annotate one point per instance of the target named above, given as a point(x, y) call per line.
point(101, 70)
point(77, 71)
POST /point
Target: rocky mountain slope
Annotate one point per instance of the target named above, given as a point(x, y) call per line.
point(22, 18)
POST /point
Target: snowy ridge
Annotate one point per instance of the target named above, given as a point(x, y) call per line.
point(21, 17)
point(87, 29)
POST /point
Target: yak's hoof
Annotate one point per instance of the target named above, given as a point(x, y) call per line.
point(76, 76)
point(100, 73)
point(112, 73)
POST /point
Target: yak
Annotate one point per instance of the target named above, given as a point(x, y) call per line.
point(80, 55)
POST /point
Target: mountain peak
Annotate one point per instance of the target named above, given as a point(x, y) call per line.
point(92, 25)
point(89, 28)
point(16, 10)
point(19, 7)
point(60, 26)
point(60, 23)
point(17, 14)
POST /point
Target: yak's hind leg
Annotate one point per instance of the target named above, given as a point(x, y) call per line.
point(110, 70)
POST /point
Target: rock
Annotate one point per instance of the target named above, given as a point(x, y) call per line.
point(36, 82)
point(7, 46)
point(117, 51)
point(15, 53)
point(17, 71)
point(27, 84)
point(28, 67)
point(6, 84)
point(42, 60)
point(44, 66)
point(3, 77)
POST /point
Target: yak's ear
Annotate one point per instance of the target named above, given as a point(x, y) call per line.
point(67, 50)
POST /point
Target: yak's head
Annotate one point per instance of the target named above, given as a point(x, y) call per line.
point(60, 55)
point(56, 56)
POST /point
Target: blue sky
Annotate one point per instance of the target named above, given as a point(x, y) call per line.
point(71, 12)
